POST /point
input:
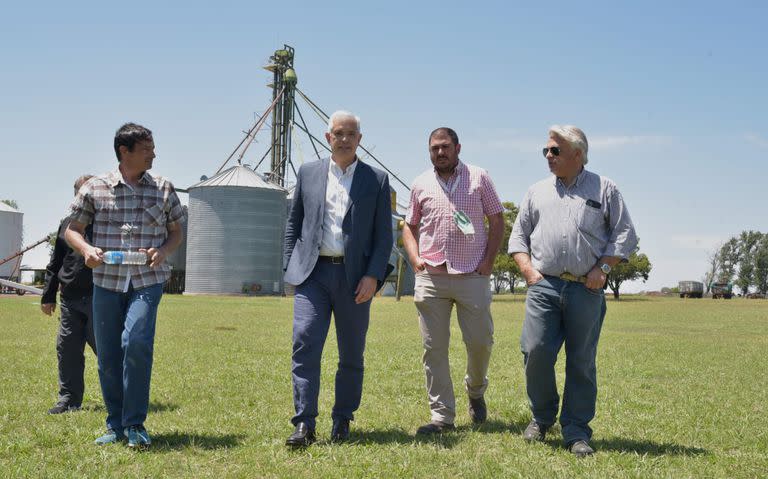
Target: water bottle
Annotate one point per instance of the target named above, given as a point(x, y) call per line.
point(125, 257)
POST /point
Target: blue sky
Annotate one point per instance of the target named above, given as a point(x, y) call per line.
point(671, 97)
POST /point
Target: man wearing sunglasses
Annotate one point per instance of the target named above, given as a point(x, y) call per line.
point(572, 228)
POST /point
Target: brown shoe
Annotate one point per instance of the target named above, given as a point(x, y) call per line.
point(478, 412)
point(435, 427)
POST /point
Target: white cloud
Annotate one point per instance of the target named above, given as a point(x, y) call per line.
point(523, 144)
point(610, 142)
point(756, 140)
point(696, 242)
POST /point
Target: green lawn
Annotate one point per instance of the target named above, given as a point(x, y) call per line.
point(682, 394)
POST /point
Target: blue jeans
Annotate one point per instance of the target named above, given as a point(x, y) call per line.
point(326, 291)
point(557, 312)
point(124, 326)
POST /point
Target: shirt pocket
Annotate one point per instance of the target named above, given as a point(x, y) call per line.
point(154, 216)
point(590, 219)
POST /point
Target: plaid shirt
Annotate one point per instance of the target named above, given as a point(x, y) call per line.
point(109, 203)
point(433, 202)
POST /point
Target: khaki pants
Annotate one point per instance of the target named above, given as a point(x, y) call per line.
point(434, 296)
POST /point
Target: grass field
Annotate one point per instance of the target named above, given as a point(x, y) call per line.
point(682, 394)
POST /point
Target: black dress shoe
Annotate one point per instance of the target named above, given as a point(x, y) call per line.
point(535, 432)
point(581, 449)
point(478, 412)
point(302, 436)
point(60, 408)
point(340, 430)
point(435, 427)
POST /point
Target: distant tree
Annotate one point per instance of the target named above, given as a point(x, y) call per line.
point(637, 266)
point(52, 240)
point(761, 265)
point(712, 268)
point(747, 242)
point(505, 271)
point(728, 260)
point(11, 203)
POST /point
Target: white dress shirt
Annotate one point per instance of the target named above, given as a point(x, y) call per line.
point(336, 203)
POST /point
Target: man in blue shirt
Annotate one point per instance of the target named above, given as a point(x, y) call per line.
point(572, 228)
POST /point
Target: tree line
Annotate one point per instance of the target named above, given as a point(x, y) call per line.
point(741, 261)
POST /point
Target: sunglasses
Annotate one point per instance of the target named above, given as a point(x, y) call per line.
point(555, 150)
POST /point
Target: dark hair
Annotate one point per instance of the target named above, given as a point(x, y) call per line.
point(448, 131)
point(127, 136)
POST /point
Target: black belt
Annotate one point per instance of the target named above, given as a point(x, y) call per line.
point(331, 259)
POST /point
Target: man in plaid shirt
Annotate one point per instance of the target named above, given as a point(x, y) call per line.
point(452, 254)
point(130, 210)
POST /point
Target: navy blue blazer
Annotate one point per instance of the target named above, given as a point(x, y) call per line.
point(366, 228)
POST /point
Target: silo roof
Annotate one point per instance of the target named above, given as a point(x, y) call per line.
point(5, 207)
point(238, 175)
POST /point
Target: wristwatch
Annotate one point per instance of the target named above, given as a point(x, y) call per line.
point(605, 268)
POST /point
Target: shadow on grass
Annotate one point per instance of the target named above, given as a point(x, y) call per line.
point(446, 440)
point(154, 406)
point(619, 444)
point(177, 440)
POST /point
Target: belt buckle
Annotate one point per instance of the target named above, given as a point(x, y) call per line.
point(573, 278)
point(337, 260)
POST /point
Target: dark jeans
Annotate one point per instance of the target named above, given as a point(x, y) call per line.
point(326, 291)
point(75, 330)
point(124, 326)
point(557, 312)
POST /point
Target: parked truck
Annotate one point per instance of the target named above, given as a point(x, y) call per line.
point(691, 289)
point(721, 290)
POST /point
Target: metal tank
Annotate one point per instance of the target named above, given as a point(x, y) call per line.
point(235, 235)
point(11, 226)
point(178, 262)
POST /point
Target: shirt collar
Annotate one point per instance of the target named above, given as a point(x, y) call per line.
point(578, 180)
point(456, 173)
point(334, 168)
point(114, 178)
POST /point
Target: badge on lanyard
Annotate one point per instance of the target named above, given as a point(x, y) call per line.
point(463, 222)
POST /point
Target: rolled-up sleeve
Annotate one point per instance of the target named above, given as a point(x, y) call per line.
point(622, 238)
point(520, 238)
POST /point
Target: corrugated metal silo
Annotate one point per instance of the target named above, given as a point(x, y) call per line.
point(235, 235)
point(178, 259)
point(11, 227)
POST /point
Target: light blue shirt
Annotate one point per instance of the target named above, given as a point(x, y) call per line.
point(567, 229)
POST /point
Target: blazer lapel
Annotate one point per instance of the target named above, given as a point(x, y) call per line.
point(357, 188)
point(322, 185)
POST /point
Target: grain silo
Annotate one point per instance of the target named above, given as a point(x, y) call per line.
point(235, 228)
point(11, 223)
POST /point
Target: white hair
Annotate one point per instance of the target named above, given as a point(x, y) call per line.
point(343, 114)
point(574, 136)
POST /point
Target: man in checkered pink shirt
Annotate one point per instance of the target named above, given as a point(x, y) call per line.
point(452, 254)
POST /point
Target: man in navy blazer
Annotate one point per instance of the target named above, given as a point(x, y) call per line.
point(337, 246)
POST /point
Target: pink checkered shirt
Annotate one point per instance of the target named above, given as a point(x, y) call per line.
point(440, 240)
